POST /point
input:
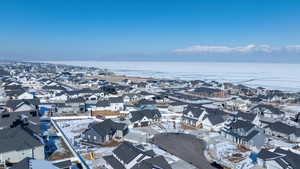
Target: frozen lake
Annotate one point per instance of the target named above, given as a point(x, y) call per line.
point(273, 76)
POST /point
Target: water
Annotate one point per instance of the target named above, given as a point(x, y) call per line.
point(274, 76)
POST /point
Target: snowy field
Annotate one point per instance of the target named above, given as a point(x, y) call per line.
point(274, 76)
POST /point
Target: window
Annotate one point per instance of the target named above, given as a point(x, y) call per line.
point(95, 137)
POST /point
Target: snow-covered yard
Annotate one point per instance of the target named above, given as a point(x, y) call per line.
point(280, 143)
point(73, 128)
point(229, 154)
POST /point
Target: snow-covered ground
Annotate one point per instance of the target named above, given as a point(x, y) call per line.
point(224, 150)
point(294, 109)
point(73, 128)
point(274, 76)
point(280, 143)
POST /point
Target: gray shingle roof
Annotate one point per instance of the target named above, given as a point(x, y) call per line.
point(127, 152)
point(246, 116)
point(151, 114)
point(284, 128)
point(263, 107)
point(268, 155)
point(107, 127)
point(8, 118)
point(216, 119)
point(115, 99)
point(23, 164)
point(239, 124)
point(113, 162)
point(158, 162)
point(14, 104)
point(102, 103)
point(291, 158)
point(194, 110)
point(17, 138)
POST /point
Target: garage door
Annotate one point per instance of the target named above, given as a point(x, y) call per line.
point(146, 123)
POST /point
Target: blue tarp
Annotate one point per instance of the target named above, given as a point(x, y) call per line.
point(253, 157)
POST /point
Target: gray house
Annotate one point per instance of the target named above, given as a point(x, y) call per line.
point(268, 111)
point(177, 106)
point(14, 119)
point(193, 116)
point(251, 117)
point(22, 105)
point(104, 132)
point(30, 163)
point(278, 159)
point(145, 117)
point(18, 143)
point(128, 156)
point(282, 130)
point(245, 133)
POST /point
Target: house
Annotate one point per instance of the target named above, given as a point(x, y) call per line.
point(18, 143)
point(22, 105)
point(77, 104)
point(25, 95)
point(245, 133)
point(67, 164)
point(116, 103)
point(213, 121)
point(142, 118)
point(130, 98)
point(278, 159)
point(160, 99)
point(101, 105)
point(177, 107)
point(71, 106)
point(128, 156)
point(54, 88)
point(11, 119)
point(13, 87)
point(13, 94)
point(268, 111)
point(4, 73)
point(146, 104)
point(59, 97)
point(110, 104)
point(283, 130)
point(248, 116)
point(31, 163)
point(193, 116)
point(146, 95)
point(92, 97)
point(209, 92)
point(104, 132)
point(126, 81)
point(237, 104)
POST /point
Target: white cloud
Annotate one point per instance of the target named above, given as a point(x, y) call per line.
point(239, 49)
point(293, 48)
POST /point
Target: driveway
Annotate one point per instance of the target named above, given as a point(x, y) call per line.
point(185, 146)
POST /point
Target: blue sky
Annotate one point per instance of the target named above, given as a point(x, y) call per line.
point(175, 30)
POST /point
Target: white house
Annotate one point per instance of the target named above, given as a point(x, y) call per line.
point(17, 144)
point(177, 107)
point(213, 122)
